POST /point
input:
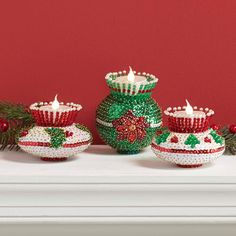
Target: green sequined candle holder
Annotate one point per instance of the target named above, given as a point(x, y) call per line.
point(128, 118)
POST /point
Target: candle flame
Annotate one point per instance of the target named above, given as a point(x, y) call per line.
point(131, 75)
point(188, 109)
point(55, 104)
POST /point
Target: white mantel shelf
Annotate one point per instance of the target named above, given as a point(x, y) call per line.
point(102, 187)
point(101, 164)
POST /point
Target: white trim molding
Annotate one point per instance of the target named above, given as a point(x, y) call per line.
point(113, 194)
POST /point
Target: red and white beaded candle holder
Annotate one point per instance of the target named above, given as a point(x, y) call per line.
point(188, 141)
point(45, 115)
point(56, 136)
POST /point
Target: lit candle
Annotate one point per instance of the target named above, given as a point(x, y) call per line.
point(188, 119)
point(54, 113)
point(55, 106)
point(132, 83)
point(188, 112)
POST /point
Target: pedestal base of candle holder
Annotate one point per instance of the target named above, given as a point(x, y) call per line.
point(54, 159)
point(55, 144)
point(131, 152)
point(189, 166)
point(188, 150)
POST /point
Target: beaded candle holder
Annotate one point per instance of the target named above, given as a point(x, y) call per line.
point(55, 137)
point(188, 141)
point(128, 118)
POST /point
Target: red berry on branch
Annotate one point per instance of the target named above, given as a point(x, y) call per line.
point(232, 129)
point(4, 125)
point(215, 127)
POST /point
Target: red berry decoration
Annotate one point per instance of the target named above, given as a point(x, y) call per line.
point(232, 129)
point(174, 139)
point(215, 127)
point(159, 132)
point(68, 134)
point(207, 140)
point(4, 125)
point(24, 133)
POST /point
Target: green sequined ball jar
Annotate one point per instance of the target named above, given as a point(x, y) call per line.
point(129, 117)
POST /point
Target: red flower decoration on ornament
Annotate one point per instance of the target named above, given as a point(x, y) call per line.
point(130, 127)
point(207, 140)
point(174, 139)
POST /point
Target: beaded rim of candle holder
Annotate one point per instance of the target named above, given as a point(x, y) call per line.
point(54, 118)
point(131, 88)
point(188, 125)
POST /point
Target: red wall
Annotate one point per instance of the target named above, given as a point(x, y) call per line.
point(67, 47)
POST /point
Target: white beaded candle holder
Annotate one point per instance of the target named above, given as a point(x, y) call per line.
point(56, 136)
point(188, 141)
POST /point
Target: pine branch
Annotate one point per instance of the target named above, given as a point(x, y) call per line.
point(18, 117)
point(230, 141)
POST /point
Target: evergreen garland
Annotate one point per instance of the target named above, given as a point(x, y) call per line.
point(230, 140)
point(18, 117)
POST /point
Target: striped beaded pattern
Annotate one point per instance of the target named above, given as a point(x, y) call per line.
point(188, 125)
point(131, 88)
point(55, 119)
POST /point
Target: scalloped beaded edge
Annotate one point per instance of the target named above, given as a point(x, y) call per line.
point(73, 106)
point(131, 88)
point(171, 111)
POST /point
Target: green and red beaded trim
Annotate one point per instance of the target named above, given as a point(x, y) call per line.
point(171, 150)
point(48, 144)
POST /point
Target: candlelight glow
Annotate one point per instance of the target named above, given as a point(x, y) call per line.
point(131, 75)
point(188, 109)
point(55, 104)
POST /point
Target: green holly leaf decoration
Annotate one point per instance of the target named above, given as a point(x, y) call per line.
point(217, 138)
point(58, 136)
point(162, 137)
point(84, 128)
point(192, 140)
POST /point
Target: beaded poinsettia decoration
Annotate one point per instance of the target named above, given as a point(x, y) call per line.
point(55, 137)
point(130, 127)
point(188, 141)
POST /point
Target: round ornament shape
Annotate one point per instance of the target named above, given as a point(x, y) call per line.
point(55, 143)
point(4, 125)
point(128, 118)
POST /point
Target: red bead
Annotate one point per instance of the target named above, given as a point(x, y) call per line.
point(174, 139)
point(4, 125)
point(215, 127)
point(68, 134)
point(232, 129)
point(24, 133)
point(207, 140)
